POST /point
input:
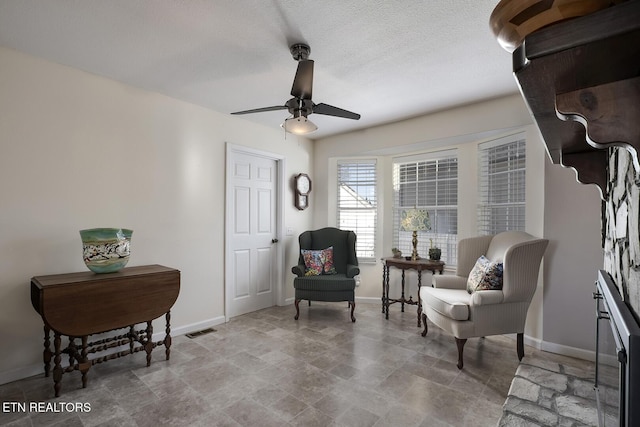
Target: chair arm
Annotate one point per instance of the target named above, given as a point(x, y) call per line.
point(352, 270)
point(298, 270)
point(450, 282)
point(487, 297)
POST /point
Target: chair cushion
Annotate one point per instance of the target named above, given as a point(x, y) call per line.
point(318, 262)
point(328, 283)
point(485, 275)
point(452, 303)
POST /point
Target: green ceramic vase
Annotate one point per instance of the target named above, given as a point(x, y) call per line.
point(106, 250)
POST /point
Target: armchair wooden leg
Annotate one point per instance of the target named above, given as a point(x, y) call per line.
point(352, 304)
point(297, 303)
point(424, 322)
point(460, 343)
point(520, 340)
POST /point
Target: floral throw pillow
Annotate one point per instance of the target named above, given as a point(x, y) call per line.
point(328, 261)
point(485, 275)
point(313, 262)
point(318, 262)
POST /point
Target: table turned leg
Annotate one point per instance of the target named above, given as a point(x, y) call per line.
point(72, 351)
point(57, 369)
point(84, 362)
point(402, 298)
point(167, 338)
point(148, 345)
point(386, 295)
point(132, 339)
point(46, 354)
point(419, 300)
point(384, 274)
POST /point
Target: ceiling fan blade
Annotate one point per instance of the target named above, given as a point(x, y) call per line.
point(262, 110)
point(330, 110)
point(303, 83)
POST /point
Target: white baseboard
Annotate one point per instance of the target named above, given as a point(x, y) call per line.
point(369, 300)
point(193, 327)
point(38, 369)
point(565, 350)
point(579, 353)
point(532, 342)
point(21, 373)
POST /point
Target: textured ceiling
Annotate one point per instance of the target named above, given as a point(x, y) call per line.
point(387, 60)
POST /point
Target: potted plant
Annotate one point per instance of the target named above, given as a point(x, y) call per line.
point(434, 252)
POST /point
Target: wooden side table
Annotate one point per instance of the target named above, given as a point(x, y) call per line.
point(405, 264)
point(77, 305)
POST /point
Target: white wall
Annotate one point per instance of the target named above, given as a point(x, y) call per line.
point(80, 151)
point(572, 223)
point(463, 128)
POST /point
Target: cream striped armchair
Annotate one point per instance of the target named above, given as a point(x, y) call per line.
point(450, 306)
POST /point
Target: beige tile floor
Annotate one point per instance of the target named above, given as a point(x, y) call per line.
point(266, 369)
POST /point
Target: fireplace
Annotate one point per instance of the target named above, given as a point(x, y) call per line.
point(612, 309)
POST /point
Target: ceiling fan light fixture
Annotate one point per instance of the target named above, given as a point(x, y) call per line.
point(299, 125)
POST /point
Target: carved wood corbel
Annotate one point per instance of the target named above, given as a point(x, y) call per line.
point(610, 114)
point(590, 168)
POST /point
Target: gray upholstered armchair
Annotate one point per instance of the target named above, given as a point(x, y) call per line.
point(329, 285)
point(450, 306)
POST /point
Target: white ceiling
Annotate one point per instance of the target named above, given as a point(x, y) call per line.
point(386, 60)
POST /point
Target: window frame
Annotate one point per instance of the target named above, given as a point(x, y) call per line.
point(502, 201)
point(443, 213)
point(369, 204)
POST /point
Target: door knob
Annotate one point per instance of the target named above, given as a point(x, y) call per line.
point(274, 240)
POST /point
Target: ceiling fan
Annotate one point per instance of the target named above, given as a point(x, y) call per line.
point(301, 105)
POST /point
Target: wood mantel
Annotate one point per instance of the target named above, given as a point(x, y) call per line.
point(581, 81)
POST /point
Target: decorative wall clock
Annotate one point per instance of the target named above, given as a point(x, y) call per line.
point(302, 190)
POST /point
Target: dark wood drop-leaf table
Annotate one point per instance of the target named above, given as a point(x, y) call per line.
point(77, 305)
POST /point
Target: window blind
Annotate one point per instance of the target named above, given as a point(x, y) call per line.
point(357, 204)
point(432, 185)
point(501, 185)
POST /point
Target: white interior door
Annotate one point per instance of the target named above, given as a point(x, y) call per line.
point(251, 232)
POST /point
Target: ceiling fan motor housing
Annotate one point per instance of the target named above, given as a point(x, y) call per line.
point(300, 51)
point(299, 107)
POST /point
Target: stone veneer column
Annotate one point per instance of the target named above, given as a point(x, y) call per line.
point(621, 227)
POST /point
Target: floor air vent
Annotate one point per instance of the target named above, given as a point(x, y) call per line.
point(199, 333)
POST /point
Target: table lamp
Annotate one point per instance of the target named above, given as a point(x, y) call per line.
point(415, 220)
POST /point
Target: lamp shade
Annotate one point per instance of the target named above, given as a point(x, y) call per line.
point(299, 125)
point(415, 220)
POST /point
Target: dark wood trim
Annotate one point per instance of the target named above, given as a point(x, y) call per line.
point(609, 113)
point(612, 21)
point(580, 81)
